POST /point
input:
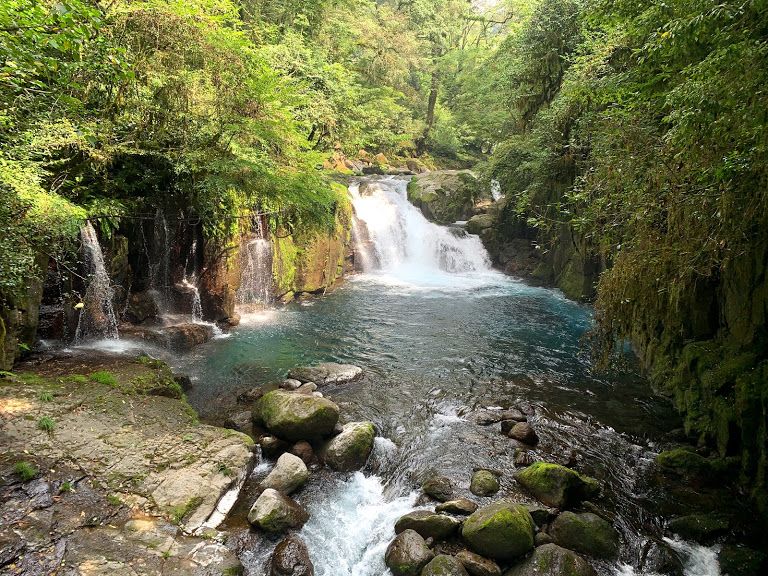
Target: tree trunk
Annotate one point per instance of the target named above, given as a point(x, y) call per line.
point(432, 102)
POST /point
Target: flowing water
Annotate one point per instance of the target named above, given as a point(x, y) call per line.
point(256, 277)
point(442, 336)
point(97, 317)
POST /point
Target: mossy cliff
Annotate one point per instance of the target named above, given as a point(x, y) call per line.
point(312, 262)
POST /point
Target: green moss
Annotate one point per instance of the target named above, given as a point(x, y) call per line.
point(77, 379)
point(46, 424)
point(25, 470)
point(557, 485)
point(104, 377)
point(179, 512)
point(501, 531)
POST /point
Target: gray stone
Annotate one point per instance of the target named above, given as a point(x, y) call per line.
point(438, 487)
point(484, 483)
point(295, 416)
point(444, 565)
point(476, 565)
point(407, 554)
point(350, 450)
point(428, 524)
point(524, 432)
point(586, 533)
point(289, 474)
point(291, 558)
point(460, 506)
point(327, 373)
point(552, 560)
point(274, 512)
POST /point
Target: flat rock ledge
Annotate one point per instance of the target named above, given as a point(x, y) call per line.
point(327, 373)
point(121, 479)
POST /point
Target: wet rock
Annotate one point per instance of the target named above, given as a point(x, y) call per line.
point(240, 421)
point(272, 447)
point(184, 337)
point(445, 196)
point(253, 394)
point(690, 466)
point(742, 561)
point(460, 506)
point(184, 381)
point(327, 373)
point(303, 450)
point(291, 558)
point(444, 565)
point(290, 384)
point(660, 558)
point(484, 483)
point(552, 560)
point(289, 474)
point(524, 432)
point(274, 512)
point(407, 554)
point(296, 416)
point(540, 514)
point(702, 528)
point(586, 533)
point(480, 222)
point(141, 306)
point(428, 524)
point(476, 565)
point(501, 531)
point(542, 538)
point(556, 485)
point(350, 449)
point(523, 458)
point(308, 388)
point(438, 487)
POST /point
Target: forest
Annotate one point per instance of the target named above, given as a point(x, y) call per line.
point(628, 143)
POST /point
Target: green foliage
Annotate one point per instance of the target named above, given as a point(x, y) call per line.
point(46, 424)
point(45, 397)
point(104, 377)
point(25, 470)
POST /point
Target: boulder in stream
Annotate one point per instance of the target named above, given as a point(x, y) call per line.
point(289, 474)
point(444, 565)
point(303, 450)
point(460, 506)
point(275, 512)
point(586, 533)
point(552, 560)
point(556, 485)
point(291, 558)
point(524, 432)
point(407, 554)
point(484, 483)
point(476, 565)
point(438, 487)
point(350, 450)
point(296, 416)
point(501, 531)
point(326, 373)
point(428, 524)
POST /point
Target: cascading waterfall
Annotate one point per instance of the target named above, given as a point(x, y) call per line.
point(190, 283)
point(97, 316)
point(405, 244)
point(256, 277)
point(160, 263)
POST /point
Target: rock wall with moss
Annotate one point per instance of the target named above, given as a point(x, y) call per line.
point(313, 262)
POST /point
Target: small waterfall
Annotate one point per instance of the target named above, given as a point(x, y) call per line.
point(160, 263)
point(256, 276)
point(189, 282)
point(496, 192)
point(405, 244)
point(97, 316)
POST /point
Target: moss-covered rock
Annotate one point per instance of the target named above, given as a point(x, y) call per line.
point(687, 464)
point(446, 196)
point(444, 565)
point(438, 487)
point(484, 483)
point(296, 416)
point(557, 485)
point(586, 533)
point(742, 561)
point(552, 560)
point(350, 449)
point(480, 222)
point(699, 527)
point(428, 524)
point(502, 531)
point(407, 554)
point(274, 512)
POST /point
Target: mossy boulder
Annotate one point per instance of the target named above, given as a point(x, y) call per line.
point(438, 487)
point(502, 531)
point(350, 449)
point(407, 554)
point(742, 561)
point(484, 483)
point(687, 464)
point(557, 485)
point(699, 527)
point(274, 512)
point(586, 533)
point(445, 196)
point(552, 560)
point(428, 524)
point(444, 565)
point(480, 222)
point(296, 416)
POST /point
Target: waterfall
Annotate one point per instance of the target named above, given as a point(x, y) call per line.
point(160, 263)
point(405, 245)
point(97, 316)
point(256, 276)
point(189, 282)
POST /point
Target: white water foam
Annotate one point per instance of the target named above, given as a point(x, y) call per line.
point(697, 560)
point(350, 528)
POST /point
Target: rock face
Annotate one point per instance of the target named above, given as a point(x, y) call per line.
point(484, 483)
point(460, 506)
point(480, 222)
point(502, 531)
point(291, 558)
point(444, 565)
point(556, 485)
point(428, 524)
point(476, 565)
point(407, 554)
point(445, 196)
point(552, 560)
point(289, 474)
point(439, 488)
point(296, 416)
point(586, 533)
point(350, 449)
point(274, 512)
point(327, 373)
point(524, 432)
